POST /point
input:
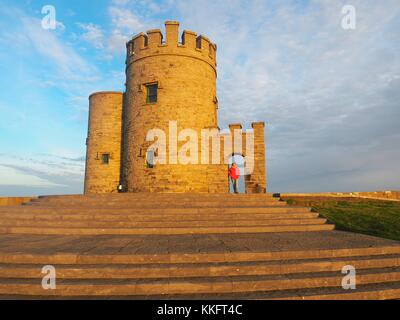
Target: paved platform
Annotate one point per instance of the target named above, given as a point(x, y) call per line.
point(156, 244)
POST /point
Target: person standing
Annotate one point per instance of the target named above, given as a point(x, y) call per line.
point(234, 174)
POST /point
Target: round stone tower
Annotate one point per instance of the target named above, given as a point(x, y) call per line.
point(167, 81)
point(103, 152)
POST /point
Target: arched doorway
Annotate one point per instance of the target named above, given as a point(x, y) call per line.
point(239, 160)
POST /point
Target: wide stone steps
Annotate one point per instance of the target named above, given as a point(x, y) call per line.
point(263, 275)
point(195, 286)
point(193, 258)
point(159, 271)
point(158, 196)
point(159, 200)
point(152, 204)
point(185, 246)
point(156, 224)
point(239, 275)
point(150, 211)
point(156, 218)
point(144, 214)
point(163, 231)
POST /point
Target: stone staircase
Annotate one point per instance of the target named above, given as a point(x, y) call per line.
point(163, 214)
point(170, 246)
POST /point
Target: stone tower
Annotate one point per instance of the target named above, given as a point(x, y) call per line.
point(103, 144)
point(170, 88)
point(184, 71)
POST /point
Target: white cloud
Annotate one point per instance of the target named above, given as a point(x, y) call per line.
point(45, 170)
point(93, 34)
point(116, 42)
point(125, 20)
point(13, 177)
point(60, 26)
point(67, 63)
point(125, 23)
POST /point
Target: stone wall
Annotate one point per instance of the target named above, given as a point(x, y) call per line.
point(380, 195)
point(186, 179)
point(14, 201)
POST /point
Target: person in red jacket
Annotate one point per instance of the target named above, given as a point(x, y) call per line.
point(234, 174)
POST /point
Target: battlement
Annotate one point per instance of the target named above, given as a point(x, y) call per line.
point(153, 43)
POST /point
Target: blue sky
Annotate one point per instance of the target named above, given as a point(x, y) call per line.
point(330, 96)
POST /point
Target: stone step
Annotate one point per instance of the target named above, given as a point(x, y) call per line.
point(225, 196)
point(155, 224)
point(374, 291)
point(193, 258)
point(382, 291)
point(158, 198)
point(194, 286)
point(151, 211)
point(161, 197)
point(163, 231)
point(160, 271)
point(155, 218)
point(153, 204)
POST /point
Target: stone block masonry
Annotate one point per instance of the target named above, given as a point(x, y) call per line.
point(14, 201)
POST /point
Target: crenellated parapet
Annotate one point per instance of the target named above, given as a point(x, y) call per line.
point(153, 43)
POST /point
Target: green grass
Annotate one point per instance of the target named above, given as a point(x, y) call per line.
point(373, 217)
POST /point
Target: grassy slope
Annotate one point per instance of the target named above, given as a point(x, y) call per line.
point(373, 217)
